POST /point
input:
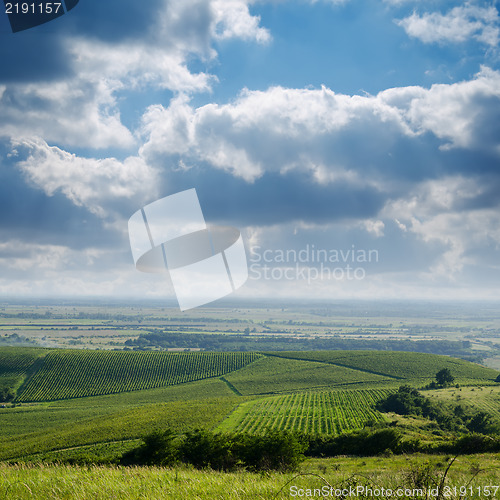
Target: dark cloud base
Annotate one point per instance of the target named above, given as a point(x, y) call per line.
point(28, 214)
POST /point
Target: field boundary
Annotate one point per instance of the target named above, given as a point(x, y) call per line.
point(30, 372)
point(231, 386)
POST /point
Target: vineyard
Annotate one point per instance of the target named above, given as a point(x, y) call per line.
point(80, 373)
point(331, 412)
point(57, 374)
point(92, 397)
point(396, 365)
point(15, 362)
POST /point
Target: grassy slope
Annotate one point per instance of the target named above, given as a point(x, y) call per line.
point(33, 417)
point(274, 375)
point(475, 398)
point(400, 365)
point(120, 425)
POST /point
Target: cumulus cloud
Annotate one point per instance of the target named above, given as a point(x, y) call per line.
point(79, 105)
point(458, 25)
point(445, 211)
point(273, 130)
point(233, 20)
point(464, 114)
point(98, 185)
point(328, 135)
point(71, 112)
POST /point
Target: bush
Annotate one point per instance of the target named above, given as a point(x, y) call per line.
point(205, 449)
point(444, 377)
point(276, 450)
point(474, 443)
point(407, 401)
point(480, 422)
point(6, 394)
point(159, 448)
point(359, 443)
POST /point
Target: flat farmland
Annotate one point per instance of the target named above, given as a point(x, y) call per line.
point(259, 327)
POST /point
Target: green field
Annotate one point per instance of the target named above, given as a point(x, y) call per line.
point(71, 402)
point(122, 424)
point(403, 366)
point(274, 375)
point(15, 362)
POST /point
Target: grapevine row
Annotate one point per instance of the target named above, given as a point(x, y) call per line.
point(327, 412)
point(74, 374)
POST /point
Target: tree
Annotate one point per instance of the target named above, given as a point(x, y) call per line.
point(275, 450)
point(159, 448)
point(444, 377)
point(6, 394)
point(481, 422)
point(407, 401)
point(204, 448)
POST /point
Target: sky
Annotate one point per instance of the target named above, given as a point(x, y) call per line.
point(355, 144)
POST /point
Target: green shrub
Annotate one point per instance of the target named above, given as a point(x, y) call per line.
point(275, 450)
point(6, 394)
point(204, 449)
point(359, 443)
point(475, 443)
point(159, 448)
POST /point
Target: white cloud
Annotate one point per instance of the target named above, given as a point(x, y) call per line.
point(73, 112)
point(456, 26)
point(462, 114)
point(31, 269)
point(183, 29)
point(132, 65)
point(316, 130)
point(22, 256)
point(95, 184)
point(233, 20)
point(83, 110)
point(376, 227)
point(262, 130)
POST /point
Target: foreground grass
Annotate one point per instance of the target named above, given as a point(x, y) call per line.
point(82, 483)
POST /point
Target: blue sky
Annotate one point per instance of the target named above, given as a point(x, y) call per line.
point(328, 124)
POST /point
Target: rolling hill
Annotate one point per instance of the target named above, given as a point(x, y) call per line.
point(69, 400)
